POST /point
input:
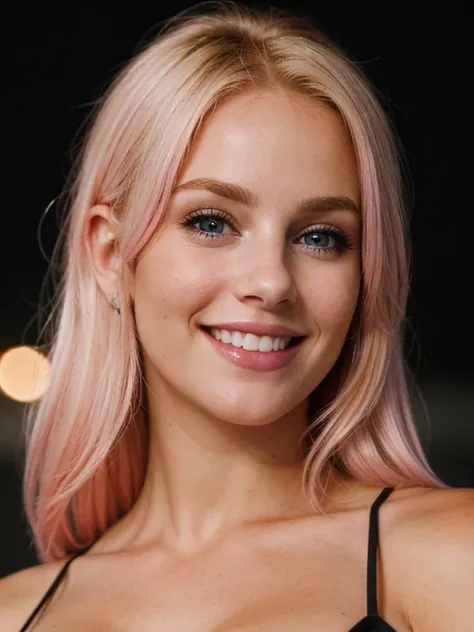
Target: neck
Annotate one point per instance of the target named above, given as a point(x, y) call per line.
point(207, 478)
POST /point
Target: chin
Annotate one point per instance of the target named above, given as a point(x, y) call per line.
point(250, 415)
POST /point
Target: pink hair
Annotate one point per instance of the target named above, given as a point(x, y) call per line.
point(87, 437)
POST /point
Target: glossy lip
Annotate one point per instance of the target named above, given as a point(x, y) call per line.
point(253, 360)
point(259, 329)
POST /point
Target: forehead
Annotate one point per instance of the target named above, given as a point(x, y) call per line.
point(275, 142)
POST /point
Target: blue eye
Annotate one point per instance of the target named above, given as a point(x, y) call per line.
point(322, 238)
point(211, 223)
point(208, 223)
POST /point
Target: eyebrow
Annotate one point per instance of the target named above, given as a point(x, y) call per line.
point(240, 194)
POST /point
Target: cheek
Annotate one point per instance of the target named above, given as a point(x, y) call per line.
point(332, 299)
point(171, 281)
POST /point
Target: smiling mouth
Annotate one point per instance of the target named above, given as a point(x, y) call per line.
point(294, 341)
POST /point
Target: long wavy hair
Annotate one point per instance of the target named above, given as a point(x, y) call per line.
point(87, 437)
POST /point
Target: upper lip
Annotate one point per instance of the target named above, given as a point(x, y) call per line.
point(259, 329)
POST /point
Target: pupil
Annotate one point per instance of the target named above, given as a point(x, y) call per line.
point(212, 225)
point(316, 238)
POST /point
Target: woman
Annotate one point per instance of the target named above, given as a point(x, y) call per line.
point(228, 409)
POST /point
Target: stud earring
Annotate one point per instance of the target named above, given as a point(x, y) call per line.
point(115, 301)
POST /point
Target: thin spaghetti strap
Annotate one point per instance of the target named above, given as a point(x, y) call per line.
point(372, 609)
point(51, 590)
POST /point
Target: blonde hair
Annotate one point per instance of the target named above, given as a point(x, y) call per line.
point(87, 437)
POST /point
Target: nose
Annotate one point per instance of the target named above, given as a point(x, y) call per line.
point(262, 275)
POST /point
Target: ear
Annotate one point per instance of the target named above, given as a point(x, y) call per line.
point(102, 245)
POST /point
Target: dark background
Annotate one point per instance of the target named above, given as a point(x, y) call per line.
point(57, 59)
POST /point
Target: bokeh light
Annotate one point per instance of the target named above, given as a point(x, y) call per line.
point(24, 374)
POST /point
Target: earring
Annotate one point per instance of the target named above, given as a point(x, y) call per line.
point(115, 301)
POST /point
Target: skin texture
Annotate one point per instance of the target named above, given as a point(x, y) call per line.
point(221, 538)
point(225, 440)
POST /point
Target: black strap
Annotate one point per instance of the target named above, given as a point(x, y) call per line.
point(52, 589)
point(372, 609)
point(372, 551)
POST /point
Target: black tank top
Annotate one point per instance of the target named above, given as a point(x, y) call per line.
point(370, 623)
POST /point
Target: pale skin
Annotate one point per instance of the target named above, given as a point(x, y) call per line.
point(222, 538)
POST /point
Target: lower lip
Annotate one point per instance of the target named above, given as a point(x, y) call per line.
point(254, 360)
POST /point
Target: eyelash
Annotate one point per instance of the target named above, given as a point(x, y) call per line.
point(343, 243)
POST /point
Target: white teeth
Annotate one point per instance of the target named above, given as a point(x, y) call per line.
point(265, 344)
point(251, 342)
point(225, 336)
point(237, 339)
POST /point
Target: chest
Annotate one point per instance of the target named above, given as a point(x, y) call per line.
point(265, 587)
point(252, 601)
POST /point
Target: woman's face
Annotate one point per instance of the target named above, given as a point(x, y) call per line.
point(277, 244)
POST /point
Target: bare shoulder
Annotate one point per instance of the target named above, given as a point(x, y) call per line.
point(22, 591)
point(430, 522)
point(433, 531)
point(436, 515)
point(416, 503)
